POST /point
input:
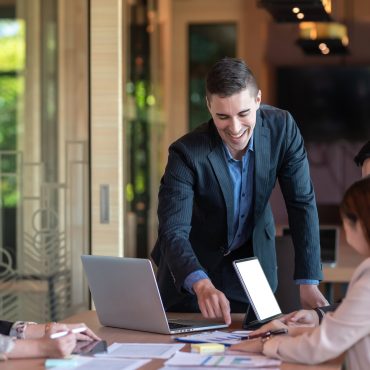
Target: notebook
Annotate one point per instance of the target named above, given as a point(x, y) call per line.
point(126, 295)
point(258, 290)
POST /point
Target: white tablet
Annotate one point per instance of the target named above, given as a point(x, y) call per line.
point(258, 290)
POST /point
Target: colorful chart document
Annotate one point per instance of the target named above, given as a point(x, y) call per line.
point(229, 361)
point(215, 337)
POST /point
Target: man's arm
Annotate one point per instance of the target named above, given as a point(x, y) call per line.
point(298, 192)
point(175, 204)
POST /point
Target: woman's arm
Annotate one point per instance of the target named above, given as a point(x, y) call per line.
point(38, 330)
point(43, 347)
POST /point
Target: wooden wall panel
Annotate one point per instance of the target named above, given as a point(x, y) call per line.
point(106, 123)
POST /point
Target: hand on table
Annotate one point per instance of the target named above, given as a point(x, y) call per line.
point(311, 296)
point(301, 317)
point(59, 347)
point(88, 334)
point(212, 302)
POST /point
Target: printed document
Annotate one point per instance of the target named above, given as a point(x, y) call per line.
point(142, 350)
point(215, 337)
point(229, 361)
point(92, 363)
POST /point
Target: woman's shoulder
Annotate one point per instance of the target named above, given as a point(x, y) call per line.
point(362, 271)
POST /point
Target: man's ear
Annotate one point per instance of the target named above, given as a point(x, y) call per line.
point(259, 98)
point(208, 104)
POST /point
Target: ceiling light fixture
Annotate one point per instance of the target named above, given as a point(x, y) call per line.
point(320, 38)
point(288, 10)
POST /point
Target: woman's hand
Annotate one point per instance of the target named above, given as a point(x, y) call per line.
point(88, 334)
point(272, 325)
point(39, 330)
point(59, 347)
point(302, 317)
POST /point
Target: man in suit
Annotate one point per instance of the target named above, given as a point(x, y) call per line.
point(213, 200)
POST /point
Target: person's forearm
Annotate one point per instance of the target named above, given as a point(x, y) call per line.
point(298, 330)
point(34, 331)
point(27, 348)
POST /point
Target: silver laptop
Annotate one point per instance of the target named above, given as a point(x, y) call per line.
point(126, 295)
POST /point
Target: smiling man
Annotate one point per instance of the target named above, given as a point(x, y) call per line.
point(214, 200)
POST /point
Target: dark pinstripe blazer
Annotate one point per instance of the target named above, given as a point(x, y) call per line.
point(195, 208)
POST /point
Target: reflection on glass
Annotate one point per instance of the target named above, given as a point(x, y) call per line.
point(43, 172)
point(139, 101)
point(12, 59)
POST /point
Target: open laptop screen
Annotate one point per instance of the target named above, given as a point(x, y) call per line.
point(256, 286)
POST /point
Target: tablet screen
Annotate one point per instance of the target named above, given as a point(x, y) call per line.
point(256, 286)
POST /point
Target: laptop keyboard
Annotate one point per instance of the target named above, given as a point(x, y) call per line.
point(176, 325)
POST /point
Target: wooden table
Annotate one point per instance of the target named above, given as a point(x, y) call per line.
point(130, 336)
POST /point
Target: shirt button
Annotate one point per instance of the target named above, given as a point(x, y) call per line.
point(243, 195)
point(242, 216)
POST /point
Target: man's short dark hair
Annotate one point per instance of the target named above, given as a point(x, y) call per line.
point(229, 76)
point(363, 154)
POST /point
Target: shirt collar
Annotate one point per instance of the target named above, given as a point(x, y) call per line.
point(250, 147)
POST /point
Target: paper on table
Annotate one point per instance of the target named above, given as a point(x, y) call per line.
point(211, 368)
point(229, 361)
point(91, 363)
point(194, 368)
point(142, 350)
point(214, 337)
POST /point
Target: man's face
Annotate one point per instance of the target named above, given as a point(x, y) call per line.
point(235, 119)
point(365, 168)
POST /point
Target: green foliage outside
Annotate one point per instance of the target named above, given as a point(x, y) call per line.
point(12, 61)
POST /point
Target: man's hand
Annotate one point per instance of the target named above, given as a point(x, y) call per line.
point(311, 296)
point(212, 302)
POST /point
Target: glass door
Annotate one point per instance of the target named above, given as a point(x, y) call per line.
point(44, 159)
